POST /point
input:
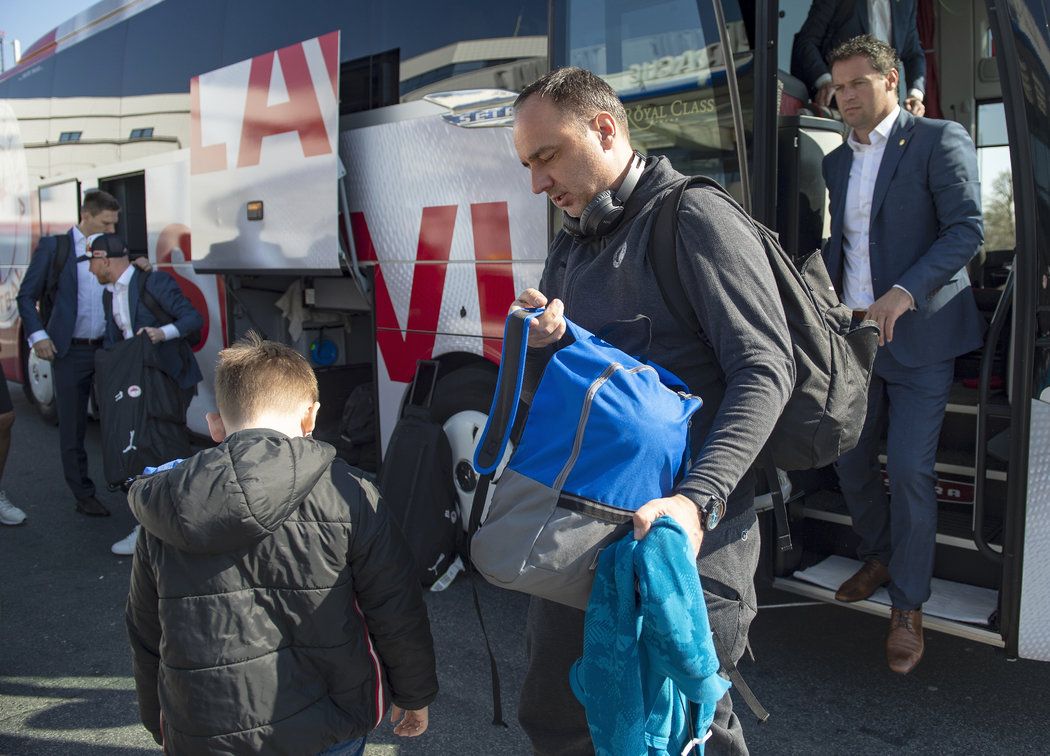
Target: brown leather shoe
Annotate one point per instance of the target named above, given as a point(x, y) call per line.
point(869, 578)
point(92, 507)
point(904, 645)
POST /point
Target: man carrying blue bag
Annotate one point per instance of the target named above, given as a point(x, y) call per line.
point(571, 133)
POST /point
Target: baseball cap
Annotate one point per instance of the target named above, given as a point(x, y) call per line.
point(106, 245)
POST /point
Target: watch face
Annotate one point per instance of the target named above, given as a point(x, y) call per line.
point(716, 508)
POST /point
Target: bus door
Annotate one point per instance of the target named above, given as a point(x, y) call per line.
point(130, 192)
point(1019, 38)
point(988, 464)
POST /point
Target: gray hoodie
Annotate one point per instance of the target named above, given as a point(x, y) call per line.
point(746, 371)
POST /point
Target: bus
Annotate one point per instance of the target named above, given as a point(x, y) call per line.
point(372, 212)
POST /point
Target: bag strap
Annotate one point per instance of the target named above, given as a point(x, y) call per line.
point(151, 301)
point(58, 262)
point(664, 261)
point(504, 409)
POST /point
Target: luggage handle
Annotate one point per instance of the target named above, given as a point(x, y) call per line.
point(504, 409)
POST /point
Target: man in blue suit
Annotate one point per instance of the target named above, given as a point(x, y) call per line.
point(129, 313)
point(832, 22)
point(71, 334)
point(905, 220)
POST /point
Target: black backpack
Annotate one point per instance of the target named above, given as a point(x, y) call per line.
point(141, 408)
point(416, 482)
point(58, 262)
point(825, 413)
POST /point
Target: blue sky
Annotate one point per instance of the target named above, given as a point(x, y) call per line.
point(28, 20)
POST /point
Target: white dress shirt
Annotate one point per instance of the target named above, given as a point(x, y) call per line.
point(91, 320)
point(122, 307)
point(857, 290)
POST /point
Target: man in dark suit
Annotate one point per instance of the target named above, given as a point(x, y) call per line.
point(71, 335)
point(128, 314)
point(832, 22)
point(905, 220)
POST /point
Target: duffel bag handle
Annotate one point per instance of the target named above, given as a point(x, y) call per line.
point(504, 409)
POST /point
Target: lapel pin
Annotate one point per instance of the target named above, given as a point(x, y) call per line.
point(901, 142)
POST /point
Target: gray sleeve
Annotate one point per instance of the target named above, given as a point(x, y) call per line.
point(728, 279)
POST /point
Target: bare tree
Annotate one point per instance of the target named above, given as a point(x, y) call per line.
point(999, 214)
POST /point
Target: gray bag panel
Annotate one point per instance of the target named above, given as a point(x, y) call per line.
point(555, 561)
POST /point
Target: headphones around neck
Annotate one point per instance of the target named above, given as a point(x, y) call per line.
point(604, 211)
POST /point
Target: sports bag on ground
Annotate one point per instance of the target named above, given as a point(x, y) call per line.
point(416, 482)
point(825, 412)
point(605, 434)
point(142, 409)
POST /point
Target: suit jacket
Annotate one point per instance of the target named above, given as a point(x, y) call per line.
point(925, 226)
point(816, 39)
point(64, 313)
point(176, 359)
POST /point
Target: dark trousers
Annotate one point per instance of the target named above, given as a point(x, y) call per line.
point(73, 375)
point(555, 721)
point(900, 530)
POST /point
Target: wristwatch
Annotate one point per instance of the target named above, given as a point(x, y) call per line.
point(711, 513)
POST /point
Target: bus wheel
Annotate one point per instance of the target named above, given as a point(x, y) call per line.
point(39, 385)
point(461, 403)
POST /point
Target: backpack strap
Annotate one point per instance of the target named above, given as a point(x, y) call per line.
point(58, 262)
point(151, 301)
point(664, 261)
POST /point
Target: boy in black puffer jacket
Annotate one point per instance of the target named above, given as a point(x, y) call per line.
point(273, 605)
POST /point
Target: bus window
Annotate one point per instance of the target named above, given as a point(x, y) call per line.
point(993, 161)
point(665, 60)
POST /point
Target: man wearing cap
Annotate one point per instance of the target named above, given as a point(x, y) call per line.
point(72, 333)
point(129, 312)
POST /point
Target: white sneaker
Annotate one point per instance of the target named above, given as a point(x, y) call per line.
point(126, 546)
point(9, 513)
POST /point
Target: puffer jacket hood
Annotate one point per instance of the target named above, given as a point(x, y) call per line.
point(233, 495)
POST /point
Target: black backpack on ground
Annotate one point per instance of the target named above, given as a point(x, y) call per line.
point(416, 482)
point(59, 257)
point(825, 412)
point(142, 410)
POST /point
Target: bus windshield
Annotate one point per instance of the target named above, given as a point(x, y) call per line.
point(666, 60)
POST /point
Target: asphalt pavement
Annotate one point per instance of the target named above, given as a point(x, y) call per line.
point(65, 667)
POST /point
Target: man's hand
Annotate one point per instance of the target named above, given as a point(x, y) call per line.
point(45, 349)
point(824, 95)
point(409, 724)
point(678, 508)
point(142, 263)
point(914, 106)
point(886, 309)
point(548, 327)
point(155, 334)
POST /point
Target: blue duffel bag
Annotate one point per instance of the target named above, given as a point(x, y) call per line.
point(605, 434)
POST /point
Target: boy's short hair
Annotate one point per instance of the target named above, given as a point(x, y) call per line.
point(255, 376)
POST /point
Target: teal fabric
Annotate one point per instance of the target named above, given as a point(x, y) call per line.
point(648, 678)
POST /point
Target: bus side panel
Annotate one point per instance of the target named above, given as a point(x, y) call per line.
point(427, 201)
point(1034, 630)
point(172, 251)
